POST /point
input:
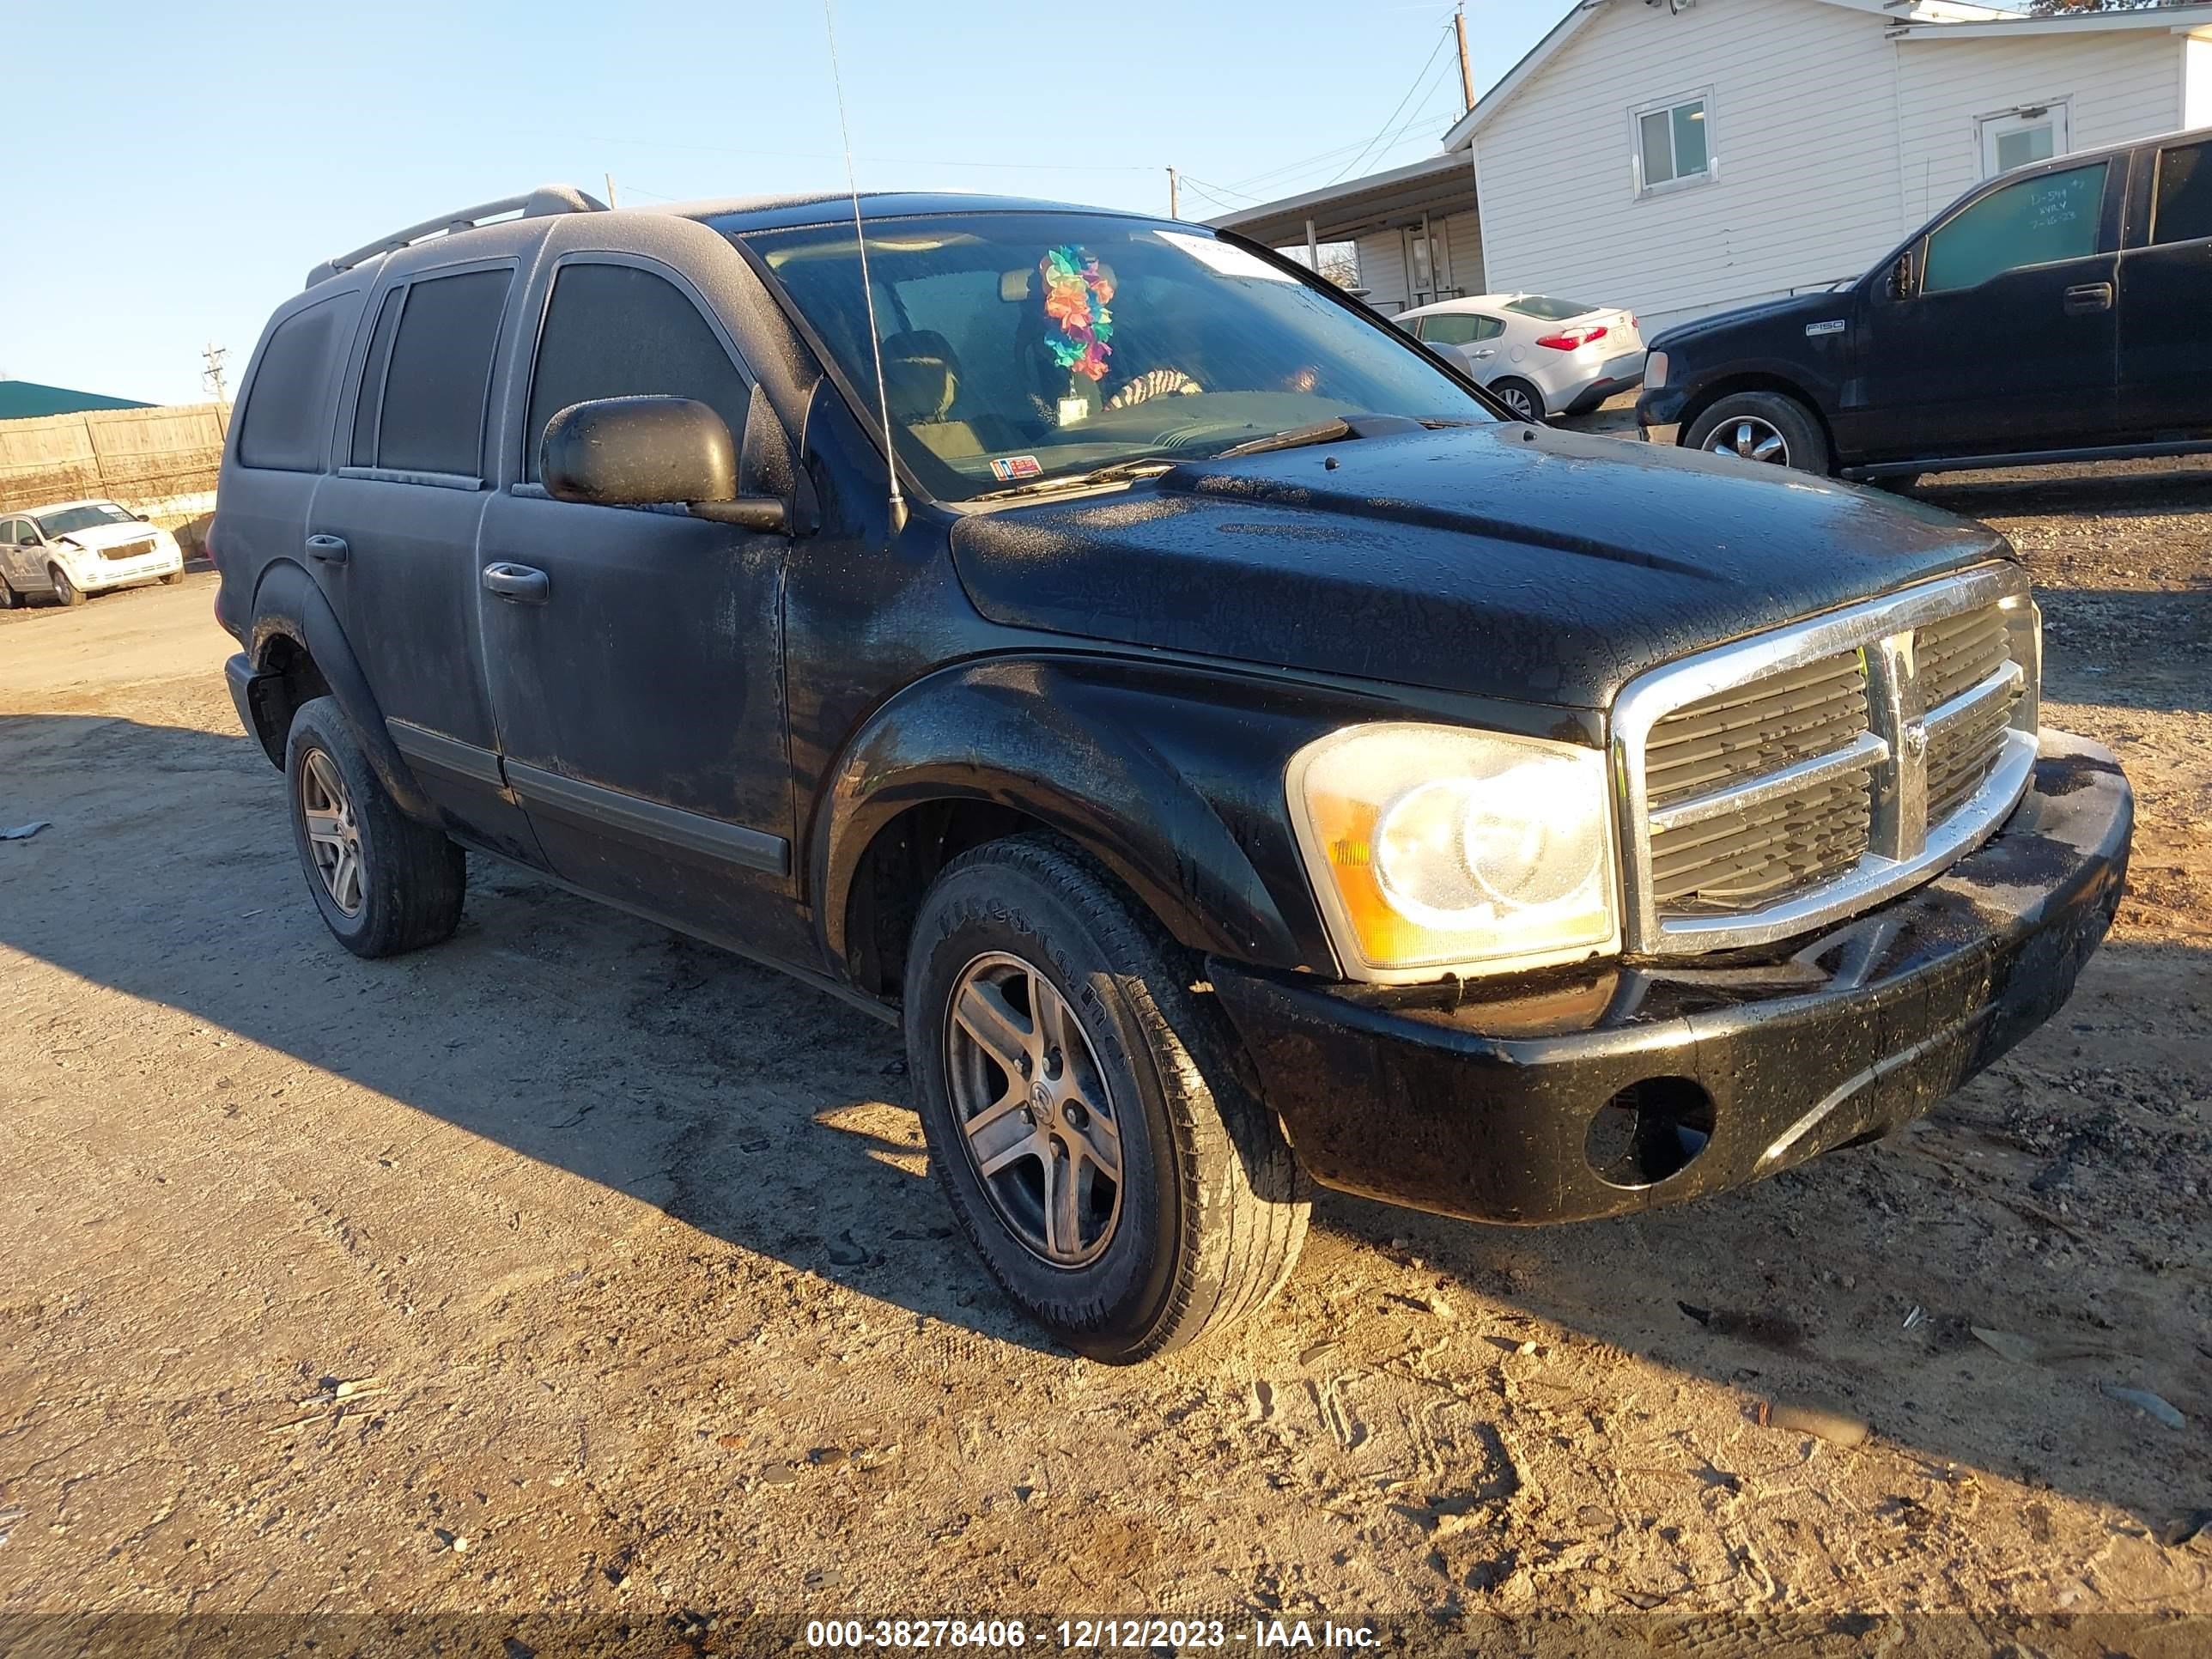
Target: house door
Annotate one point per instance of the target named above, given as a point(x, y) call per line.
point(1428, 276)
point(2022, 136)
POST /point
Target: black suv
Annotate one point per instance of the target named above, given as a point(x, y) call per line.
point(1237, 752)
point(2059, 313)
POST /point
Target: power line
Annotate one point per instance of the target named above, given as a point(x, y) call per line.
point(1391, 119)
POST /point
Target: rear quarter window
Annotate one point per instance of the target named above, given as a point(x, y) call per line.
point(286, 425)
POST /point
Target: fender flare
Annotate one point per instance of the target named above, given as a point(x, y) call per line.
point(1169, 776)
point(286, 603)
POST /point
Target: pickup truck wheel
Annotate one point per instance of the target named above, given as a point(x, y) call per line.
point(65, 591)
point(1762, 426)
point(384, 883)
point(1083, 1118)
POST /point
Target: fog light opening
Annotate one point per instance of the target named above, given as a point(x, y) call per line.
point(1649, 1132)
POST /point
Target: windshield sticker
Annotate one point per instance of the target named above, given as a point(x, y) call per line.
point(1225, 257)
point(1007, 468)
point(1076, 289)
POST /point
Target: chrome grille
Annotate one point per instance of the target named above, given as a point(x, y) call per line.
point(1801, 776)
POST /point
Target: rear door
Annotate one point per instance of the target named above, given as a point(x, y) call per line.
point(2166, 296)
point(2008, 336)
point(637, 664)
point(1467, 337)
point(394, 534)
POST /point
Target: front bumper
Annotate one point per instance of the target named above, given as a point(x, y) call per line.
point(1659, 413)
point(1495, 1107)
point(92, 574)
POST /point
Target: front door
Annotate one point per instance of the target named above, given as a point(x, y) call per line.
point(2007, 335)
point(635, 654)
point(2166, 299)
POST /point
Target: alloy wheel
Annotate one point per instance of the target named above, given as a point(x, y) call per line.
point(1750, 438)
point(1520, 403)
point(1036, 1118)
point(333, 835)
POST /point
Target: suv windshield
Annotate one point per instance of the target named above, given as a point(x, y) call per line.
point(1547, 310)
point(89, 517)
point(1020, 347)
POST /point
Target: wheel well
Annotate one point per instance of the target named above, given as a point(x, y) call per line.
point(1712, 394)
point(293, 678)
point(896, 871)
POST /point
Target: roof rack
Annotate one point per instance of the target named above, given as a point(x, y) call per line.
point(546, 199)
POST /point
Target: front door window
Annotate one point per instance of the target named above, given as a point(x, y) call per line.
point(2040, 221)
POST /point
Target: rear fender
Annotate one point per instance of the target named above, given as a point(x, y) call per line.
point(289, 605)
point(1169, 776)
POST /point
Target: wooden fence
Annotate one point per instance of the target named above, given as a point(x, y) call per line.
point(162, 462)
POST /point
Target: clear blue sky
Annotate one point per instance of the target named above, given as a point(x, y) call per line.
point(180, 180)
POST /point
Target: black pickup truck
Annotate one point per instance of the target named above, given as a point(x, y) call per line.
point(2062, 312)
point(1238, 753)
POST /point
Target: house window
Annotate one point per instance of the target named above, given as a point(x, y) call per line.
point(1674, 145)
point(2021, 137)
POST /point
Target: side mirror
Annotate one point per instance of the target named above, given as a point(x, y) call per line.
point(649, 451)
point(1900, 276)
point(142, 518)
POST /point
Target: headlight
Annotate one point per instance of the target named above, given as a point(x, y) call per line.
point(1435, 847)
point(1655, 371)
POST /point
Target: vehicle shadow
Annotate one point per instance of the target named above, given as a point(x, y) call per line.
point(2052, 1199)
point(2124, 489)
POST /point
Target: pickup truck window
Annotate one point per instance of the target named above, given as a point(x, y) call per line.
point(1020, 347)
point(2183, 212)
point(617, 331)
point(2051, 216)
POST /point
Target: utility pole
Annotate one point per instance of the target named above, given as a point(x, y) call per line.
point(212, 374)
point(1174, 205)
point(1465, 75)
point(611, 178)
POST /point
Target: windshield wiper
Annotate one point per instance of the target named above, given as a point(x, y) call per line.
point(1119, 472)
point(1321, 432)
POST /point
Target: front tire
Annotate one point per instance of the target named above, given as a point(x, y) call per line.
point(9, 598)
point(1768, 426)
point(384, 883)
point(66, 592)
point(174, 579)
point(1084, 1120)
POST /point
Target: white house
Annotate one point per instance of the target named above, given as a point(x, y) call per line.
point(1681, 156)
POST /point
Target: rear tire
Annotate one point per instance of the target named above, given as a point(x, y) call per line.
point(1768, 426)
point(1522, 397)
point(1203, 1216)
point(66, 592)
point(384, 883)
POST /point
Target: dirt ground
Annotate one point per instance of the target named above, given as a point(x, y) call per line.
point(572, 1267)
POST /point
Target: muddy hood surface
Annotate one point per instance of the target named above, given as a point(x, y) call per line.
point(1501, 561)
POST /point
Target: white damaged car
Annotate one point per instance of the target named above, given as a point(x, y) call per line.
point(75, 549)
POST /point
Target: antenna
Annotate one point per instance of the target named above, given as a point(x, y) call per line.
point(867, 290)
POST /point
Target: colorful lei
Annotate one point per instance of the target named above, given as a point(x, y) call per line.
point(1076, 294)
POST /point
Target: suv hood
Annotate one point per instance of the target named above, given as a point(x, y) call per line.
point(1814, 306)
point(1499, 561)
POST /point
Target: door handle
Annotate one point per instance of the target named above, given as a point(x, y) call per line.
point(330, 550)
point(2086, 297)
point(518, 582)
point(1487, 351)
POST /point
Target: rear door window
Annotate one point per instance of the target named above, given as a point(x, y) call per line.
point(2037, 221)
point(1451, 328)
point(439, 376)
point(2182, 207)
point(616, 331)
point(287, 422)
